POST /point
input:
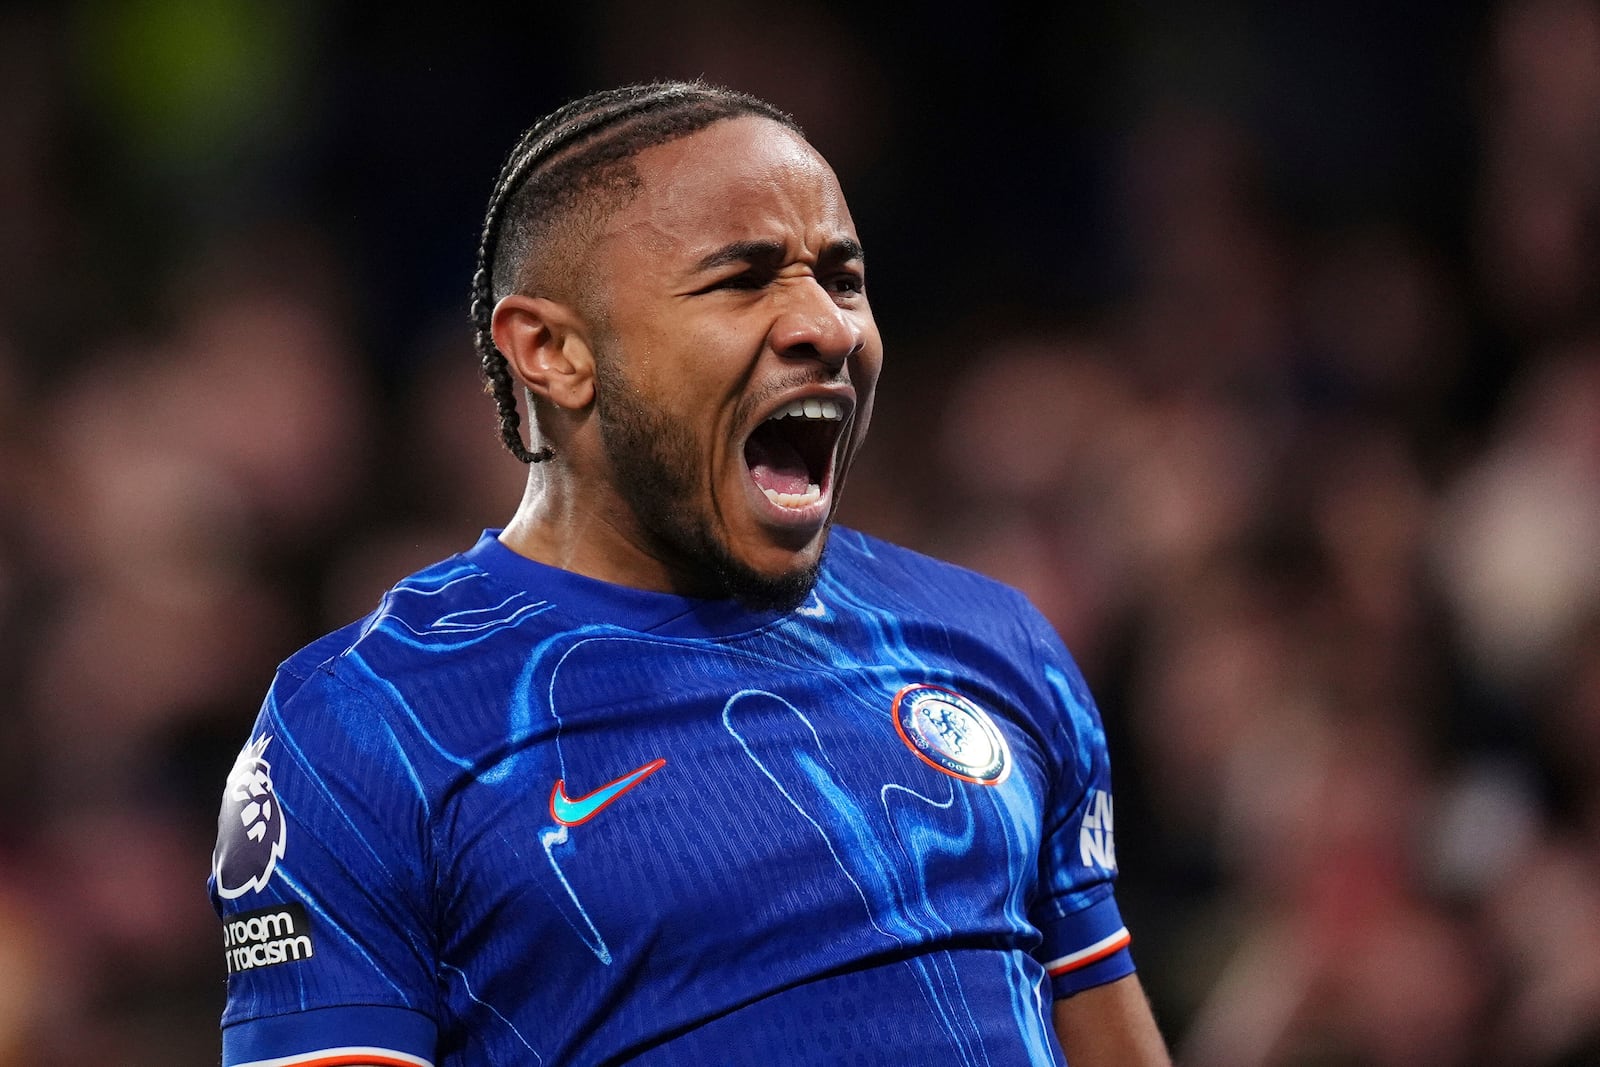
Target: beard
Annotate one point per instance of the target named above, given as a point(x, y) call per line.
point(655, 462)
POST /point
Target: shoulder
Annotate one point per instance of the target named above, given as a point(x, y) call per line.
point(916, 588)
point(863, 557)
point(910, 582)
point(348, 715)
point(450, 616)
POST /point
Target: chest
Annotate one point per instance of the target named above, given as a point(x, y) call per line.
point(691, 810)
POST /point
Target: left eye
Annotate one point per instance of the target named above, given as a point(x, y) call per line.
point(847, 283)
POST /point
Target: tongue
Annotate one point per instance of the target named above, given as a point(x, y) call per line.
point(776, 464)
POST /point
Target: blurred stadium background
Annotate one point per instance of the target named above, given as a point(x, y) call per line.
point(1257, 342)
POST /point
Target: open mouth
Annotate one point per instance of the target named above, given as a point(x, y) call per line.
point(790, 455)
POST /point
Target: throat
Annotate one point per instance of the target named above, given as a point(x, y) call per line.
point(776, 466)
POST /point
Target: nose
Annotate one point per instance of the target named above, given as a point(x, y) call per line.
point(812, 325)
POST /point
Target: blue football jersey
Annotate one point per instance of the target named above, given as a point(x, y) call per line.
point(520, 816)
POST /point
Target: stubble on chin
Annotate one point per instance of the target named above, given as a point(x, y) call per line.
point(654, 461)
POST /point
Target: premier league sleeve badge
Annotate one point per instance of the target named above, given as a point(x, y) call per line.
point(251, 833)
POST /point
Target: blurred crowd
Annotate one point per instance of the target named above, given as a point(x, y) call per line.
point(1262, 350)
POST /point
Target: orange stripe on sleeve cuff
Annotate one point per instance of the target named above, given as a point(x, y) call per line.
point(1085, 956)
point(350, 1056)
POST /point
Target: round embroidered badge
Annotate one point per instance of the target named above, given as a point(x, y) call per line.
point(951, 734)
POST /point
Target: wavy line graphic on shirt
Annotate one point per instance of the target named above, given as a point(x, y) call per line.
point(496, 1012)
point(919, 837)
point(558, 836)
point(883, 855)
point(916, 834)
point(463, 627)
point(330, 927)
point(448, 631)
point(478, 620)
point(902, 912)
point(555, 841)
point(549, 839)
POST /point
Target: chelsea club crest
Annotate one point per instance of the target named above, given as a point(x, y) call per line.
point(951, 734)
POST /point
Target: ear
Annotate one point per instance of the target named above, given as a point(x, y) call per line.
point(547, 348)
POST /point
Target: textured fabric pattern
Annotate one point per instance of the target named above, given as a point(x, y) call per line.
point(552, 820)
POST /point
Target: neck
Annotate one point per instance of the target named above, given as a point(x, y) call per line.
point(589, 533)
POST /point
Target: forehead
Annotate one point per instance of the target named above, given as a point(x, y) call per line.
point(737, 179)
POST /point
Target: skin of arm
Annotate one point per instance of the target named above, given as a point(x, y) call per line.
point(1110, 1026)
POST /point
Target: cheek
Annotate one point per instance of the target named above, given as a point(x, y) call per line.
point(705, 382)
point(691, 398)
point(864, 371)
point(866, 366)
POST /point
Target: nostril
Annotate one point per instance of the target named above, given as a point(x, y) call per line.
point(826, 343)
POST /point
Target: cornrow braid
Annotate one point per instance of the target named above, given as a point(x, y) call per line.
point(566, 156)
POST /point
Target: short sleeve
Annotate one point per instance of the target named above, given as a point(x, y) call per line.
point(322, 879)
point(1085, 942)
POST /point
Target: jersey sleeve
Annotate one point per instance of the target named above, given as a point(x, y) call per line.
point(322, 879)
point(1085, 942)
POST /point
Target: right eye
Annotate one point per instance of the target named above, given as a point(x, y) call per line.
point(848, 282)
point(743, 281)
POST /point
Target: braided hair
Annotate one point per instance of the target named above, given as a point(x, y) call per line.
point(576, 159)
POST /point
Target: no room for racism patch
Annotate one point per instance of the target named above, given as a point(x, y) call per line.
point(266, 936)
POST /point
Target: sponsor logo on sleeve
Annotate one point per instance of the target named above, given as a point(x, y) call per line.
point(1097, 847)
point(266, 937)
point(251, 833)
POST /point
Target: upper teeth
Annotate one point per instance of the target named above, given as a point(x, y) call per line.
point(811, 409)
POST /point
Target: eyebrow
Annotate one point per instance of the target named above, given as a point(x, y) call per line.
point(840, 249)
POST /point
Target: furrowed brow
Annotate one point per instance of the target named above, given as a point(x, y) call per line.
point(761, 251)
point(751, 252)
point(844, 250)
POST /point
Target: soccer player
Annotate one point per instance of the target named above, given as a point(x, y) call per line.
point(662, 772)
